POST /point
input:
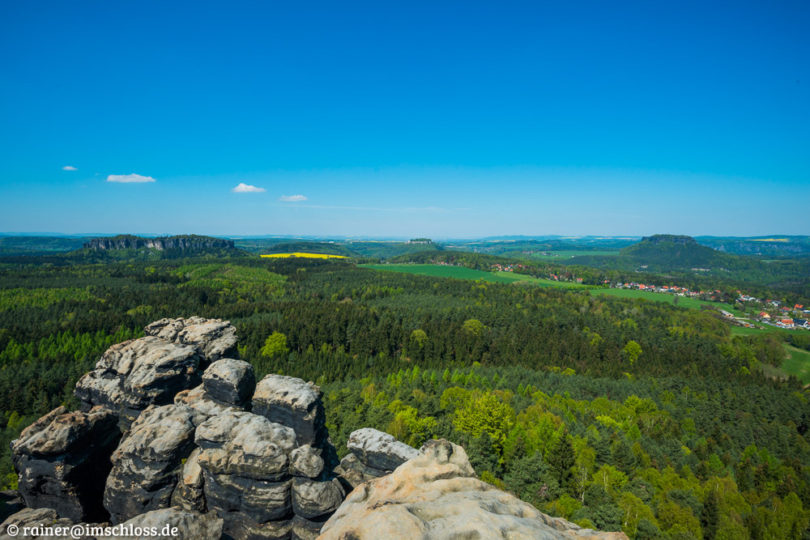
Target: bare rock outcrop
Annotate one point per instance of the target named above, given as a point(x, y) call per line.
point(249, 466)
point(188, 494)
point(244, 460)
point(170, 524)
point(372, 454)
point(148, 462)
point(230, 381)
point(134, 374)
point(212, 338)
point(44, 523)
point(203, 406)
point(306, 462)
point(62, 460)
point(437, 496)
point(293, 403)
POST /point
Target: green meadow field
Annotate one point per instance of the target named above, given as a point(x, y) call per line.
point(460, 272)
point(797, 363)
point(437, 270)
point(683, 301)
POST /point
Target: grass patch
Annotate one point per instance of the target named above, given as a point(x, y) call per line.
point(740, 331)
point(460, 272)
point(438, 270)
point(683, 301)
point(542, 282)
point(797, 363)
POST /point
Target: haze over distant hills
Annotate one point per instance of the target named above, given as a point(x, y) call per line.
point(777, 246)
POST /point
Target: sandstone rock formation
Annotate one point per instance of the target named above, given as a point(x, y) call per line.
point(203, 406)
point(134, 374)
point(35, 517)
point(147, 463)
point(193, 457)
point(306, 462)
point(189, 526)
point(165, 524)
point(212, 338)
point(230, 381)
point(437, 496)
point(372, 454)
point(248, 465)
point(62, 460)
point(190, 243)
point(293, 403)
point(188, 493)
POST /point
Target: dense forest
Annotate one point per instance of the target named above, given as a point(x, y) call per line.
point(616, 413)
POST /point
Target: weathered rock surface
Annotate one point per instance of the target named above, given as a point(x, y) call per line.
point(437, 496)
point(147, 464)
point(245, 444)
point(213, 338)
point(306, 461)
point(306, 529)
point(293, 403)
point(372, 454)
point(189, 494)
point(353, 472)
point(245, 463)
point(134, 374)
point(202, 406)
point(312, 499)
point(188, 526)
point(187, 242)
point(230, 381)
point(36, 517)
point(62, 460)
point(379, 450)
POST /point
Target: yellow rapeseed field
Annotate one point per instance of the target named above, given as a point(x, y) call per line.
point(303, 255)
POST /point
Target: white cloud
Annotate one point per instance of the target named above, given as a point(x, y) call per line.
point(292, 198)
point(69, 168)
point(247, 188)
point(129, 178)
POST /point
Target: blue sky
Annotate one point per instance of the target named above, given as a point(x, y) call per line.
point(402, 119)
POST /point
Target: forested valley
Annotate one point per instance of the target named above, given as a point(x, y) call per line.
point(615, 413)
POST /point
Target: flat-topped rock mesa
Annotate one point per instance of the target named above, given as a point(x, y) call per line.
point(188, 243)
point(670, 239)
point(173, 430)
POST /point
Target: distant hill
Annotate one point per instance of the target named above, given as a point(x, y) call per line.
point(166, 246)
point(668, 253)
point(673, 252)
